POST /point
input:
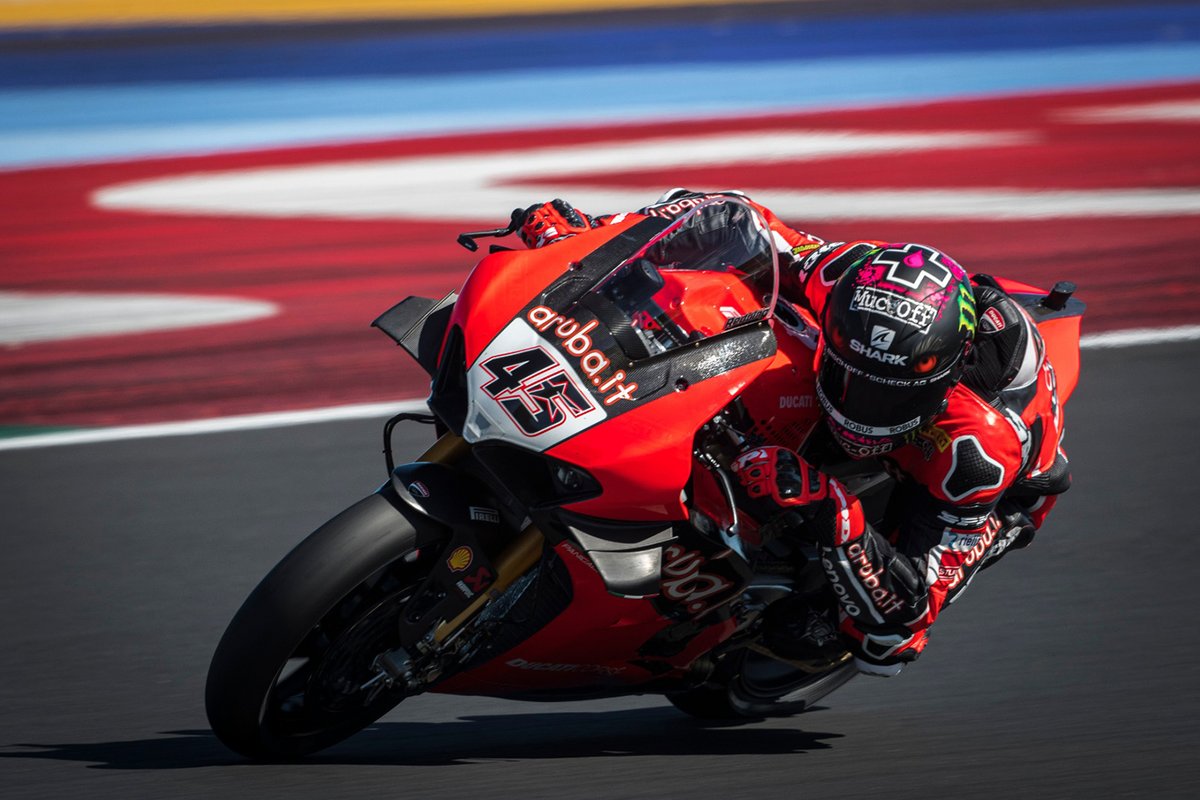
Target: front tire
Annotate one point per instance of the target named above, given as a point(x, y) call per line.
point(285, 678)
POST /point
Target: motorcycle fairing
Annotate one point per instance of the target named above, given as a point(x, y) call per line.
point(418, 324)
point(633, 326)
point(1060, 331)
point(628, 556)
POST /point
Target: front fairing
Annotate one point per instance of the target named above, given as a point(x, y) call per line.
point(610, 349)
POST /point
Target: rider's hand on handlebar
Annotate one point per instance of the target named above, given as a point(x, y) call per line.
point(783, 493)
point(552, 221)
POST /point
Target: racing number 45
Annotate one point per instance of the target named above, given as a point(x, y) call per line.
point(534, 390)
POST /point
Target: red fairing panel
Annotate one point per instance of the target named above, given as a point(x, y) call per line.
point(783, 401)
point(590, 644)
point(643, 458)
point(504, 283)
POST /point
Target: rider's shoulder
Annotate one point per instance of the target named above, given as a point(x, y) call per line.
point(1007, 351)
point(675, 202)
point(970, 453)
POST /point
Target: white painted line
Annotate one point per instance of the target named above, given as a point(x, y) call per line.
point(27, 317)
point(247, 422)
point(1166, 111)
point(471, 187)
point(1128, 338)
point(1140, 336)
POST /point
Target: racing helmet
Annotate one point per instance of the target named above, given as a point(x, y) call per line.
point(897, 327)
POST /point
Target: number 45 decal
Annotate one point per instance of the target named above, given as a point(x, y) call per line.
point(534, 390)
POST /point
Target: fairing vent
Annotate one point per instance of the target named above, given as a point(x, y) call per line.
point(538, 481)
point(448, 395)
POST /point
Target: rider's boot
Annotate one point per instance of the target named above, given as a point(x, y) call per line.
point(803, 634)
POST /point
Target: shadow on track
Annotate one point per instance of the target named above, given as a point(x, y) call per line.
point(510, 737)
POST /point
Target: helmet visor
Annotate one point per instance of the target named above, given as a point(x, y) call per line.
point(873, 408)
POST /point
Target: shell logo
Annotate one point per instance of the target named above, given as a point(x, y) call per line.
point(460, 559)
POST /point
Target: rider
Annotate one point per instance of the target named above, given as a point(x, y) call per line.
point(942, 378)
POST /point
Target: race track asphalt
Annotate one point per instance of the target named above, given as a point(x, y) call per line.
point(1068, 671)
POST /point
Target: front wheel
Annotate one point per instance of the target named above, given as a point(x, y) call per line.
point(287, 678)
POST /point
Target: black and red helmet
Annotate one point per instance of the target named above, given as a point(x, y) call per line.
point(897, 326)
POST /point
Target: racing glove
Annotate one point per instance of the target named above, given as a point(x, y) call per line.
point(551, 222)
point(785, 494)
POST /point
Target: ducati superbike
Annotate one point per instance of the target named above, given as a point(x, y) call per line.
point(573, 531)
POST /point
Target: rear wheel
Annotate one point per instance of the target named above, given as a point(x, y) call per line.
point(288, 676)
point(760, 686)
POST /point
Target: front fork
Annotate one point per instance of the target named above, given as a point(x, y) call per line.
point(516, 558)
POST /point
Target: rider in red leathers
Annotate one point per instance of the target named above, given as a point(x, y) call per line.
point(943, 379)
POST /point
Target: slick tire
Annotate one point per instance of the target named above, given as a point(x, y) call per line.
point(325, 588)
point(760, 687)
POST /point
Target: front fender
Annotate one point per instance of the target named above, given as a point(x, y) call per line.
point(445, 495)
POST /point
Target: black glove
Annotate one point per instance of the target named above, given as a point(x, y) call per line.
point(780, 492)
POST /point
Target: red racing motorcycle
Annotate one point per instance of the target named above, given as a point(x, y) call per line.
point(573, 531)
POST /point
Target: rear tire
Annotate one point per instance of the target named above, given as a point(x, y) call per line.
point(284, 680)
point(761, 686)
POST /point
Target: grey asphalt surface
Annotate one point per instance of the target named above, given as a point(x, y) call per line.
point(1068, 671)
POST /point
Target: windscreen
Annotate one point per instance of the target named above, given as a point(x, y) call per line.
point(713, 270)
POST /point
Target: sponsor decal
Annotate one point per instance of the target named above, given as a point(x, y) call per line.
point(460, 559)
point(937, 437)
point(915, 265)
point(533, 390)
point(473, 584)
point(489, 515)
point(966, 309)
point(894, 306)
point(578, 556)
point(949, 572)
point(884, 599)
point(882, 337)
point(859, 450)
point(418, 489)
point(993, 320)
point(961, 542)
point(859, 428)
point(787, 401)
point(683, 582)
point(745, 319)
point(843, 594)
point(952, 572)
point(675, 208)
point(577, 341)
point(877, 355)
point(545, 666)
point(801, 249)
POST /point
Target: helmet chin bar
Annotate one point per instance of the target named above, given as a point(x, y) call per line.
point(870, 431)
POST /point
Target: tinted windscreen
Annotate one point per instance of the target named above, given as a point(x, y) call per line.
point(714, 269)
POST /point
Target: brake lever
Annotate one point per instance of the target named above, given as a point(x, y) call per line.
point(467, 239)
